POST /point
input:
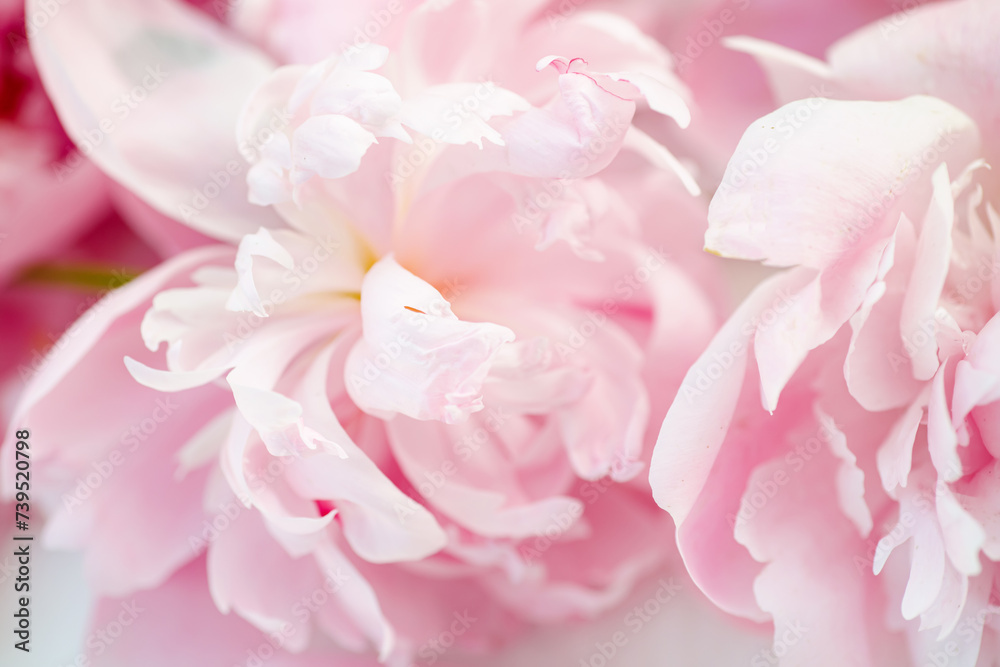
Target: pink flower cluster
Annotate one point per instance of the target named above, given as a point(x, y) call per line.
point(383, 332)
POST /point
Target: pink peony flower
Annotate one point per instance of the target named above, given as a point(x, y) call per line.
point(843, 482)
point(418, 374)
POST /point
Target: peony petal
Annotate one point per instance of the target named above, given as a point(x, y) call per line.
point(119, 73)
point(328, 146)
point(459, 113)
point(930, 270)
point(416, 357)
point(819, 179)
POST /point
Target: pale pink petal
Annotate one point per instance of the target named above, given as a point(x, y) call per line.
point(329, 146)
point(850, 479)
point(798, 529)
point(771, 205)
point(941, 49)
point(88, 456)
point(183, 605)
point(459, 113)
point(260, 244)
point(416, 357)
point(379, 522)
point(118, 95)
point(930, 270)
point(942, 442)
point(878, 369)
point(475, 494)
point(687, 459)
point(895, 455)
point(273, 603)
point(576, 136)
point(962, 534)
